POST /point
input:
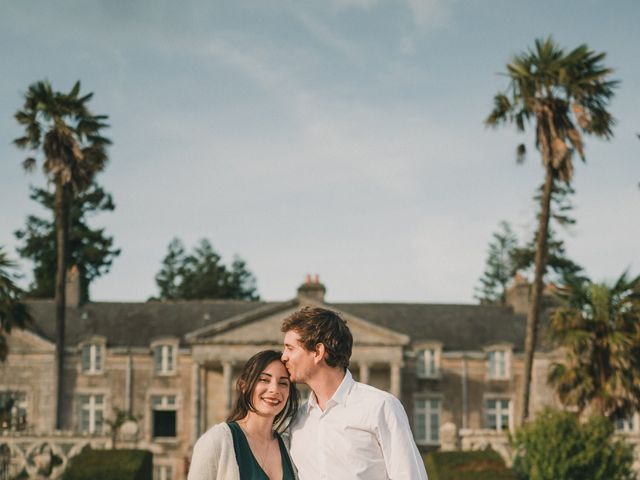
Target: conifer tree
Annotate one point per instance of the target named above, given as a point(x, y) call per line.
point(500, 266)
point(202, 274)
point(91, 250)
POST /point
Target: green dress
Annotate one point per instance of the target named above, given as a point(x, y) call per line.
point(249, 467)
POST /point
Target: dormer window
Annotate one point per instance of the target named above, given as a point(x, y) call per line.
point(92, 356)
point(499, 363)
point(428, 361)
point(628, 424)
point(164, 359)
point(165, 355)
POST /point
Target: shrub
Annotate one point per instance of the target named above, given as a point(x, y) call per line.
point(557, 446)
point(110, 465)
point(472, 465)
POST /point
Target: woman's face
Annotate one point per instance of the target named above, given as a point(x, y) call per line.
point(271, 391)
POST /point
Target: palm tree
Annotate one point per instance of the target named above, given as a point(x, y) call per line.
point(599, 329)
point(73, 152)
point(13, 313)
point(563, 95)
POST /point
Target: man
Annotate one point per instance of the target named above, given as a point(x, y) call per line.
point(347, 430)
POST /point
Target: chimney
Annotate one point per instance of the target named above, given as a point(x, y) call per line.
point(518, 294)
point(72, 289)
point(312, 290)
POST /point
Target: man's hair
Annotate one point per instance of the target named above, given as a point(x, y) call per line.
point(318, 325)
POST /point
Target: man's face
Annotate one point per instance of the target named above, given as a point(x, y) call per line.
point(299, 361)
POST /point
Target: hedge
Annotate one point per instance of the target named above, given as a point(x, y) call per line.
point(110, 465)
point(469, 465)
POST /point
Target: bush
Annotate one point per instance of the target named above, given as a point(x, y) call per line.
point(110, 465)
point(557, 446)
point(473, 465)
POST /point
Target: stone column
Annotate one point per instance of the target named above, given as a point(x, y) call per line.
point(227, 374)
point(396, 380)
point(364, 373)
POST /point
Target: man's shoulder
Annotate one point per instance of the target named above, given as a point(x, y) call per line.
point(370, 393)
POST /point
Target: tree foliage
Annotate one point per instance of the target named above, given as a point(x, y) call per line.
point(90, 249)
point(563, 95)
point(13, 312)
point(599, 329)
point(558, 264)
point(557, 446)
point(506, 256)
point(202, 274)
point(500, 266)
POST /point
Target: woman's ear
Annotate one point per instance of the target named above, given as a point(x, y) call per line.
point(242, 385)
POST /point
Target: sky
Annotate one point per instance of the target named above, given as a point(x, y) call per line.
point(343, 138)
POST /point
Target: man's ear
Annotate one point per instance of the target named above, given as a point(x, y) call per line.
point(320, 353)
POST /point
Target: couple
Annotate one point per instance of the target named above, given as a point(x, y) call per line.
point(347, 430)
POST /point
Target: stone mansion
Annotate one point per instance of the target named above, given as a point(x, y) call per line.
point(456, 368)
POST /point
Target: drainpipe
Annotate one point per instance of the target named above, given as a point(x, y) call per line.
point(128, 384)
point(465, 396)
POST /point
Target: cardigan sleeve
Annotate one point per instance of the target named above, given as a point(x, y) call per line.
point(213, 456)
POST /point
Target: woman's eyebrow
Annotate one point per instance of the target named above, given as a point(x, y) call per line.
point(267, 374)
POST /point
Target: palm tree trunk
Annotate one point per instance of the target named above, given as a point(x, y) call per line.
point(62, 242)
point(535, 300)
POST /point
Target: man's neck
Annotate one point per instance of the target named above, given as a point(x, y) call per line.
point(325, 384)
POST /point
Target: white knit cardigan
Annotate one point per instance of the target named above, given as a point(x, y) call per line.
point(214, 457)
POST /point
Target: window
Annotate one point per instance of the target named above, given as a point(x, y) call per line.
point(13, 410)
point(427, 363)
point(427, 421)
point(92, 358)
point(162, 472)
point(627, 425)
point(497, 413)
point(164, 359)
point(163, 412)
point(91, 413)
point(498, 364)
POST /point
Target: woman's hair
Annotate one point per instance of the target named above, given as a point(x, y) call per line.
point(246, 383)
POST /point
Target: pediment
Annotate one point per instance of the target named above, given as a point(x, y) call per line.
point(262, 326)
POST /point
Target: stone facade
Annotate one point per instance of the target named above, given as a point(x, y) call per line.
point(457, 370)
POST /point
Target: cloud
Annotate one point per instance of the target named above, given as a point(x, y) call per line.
point(327, 36)
point(431, 13)
point(425, 13)
point(362, 4)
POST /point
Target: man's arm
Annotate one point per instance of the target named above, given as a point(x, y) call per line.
point(401, 456)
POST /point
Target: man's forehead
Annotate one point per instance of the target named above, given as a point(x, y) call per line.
point(292, 337)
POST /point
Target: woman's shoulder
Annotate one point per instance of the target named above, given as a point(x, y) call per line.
point(216, 435)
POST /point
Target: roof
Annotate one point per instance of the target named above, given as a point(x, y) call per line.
point(458, 327)
point(135, 324)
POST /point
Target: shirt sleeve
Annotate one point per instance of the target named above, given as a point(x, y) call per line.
point(401, 456)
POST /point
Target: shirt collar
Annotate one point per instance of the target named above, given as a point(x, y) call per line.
point(339, 396)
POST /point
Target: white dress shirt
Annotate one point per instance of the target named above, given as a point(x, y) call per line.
point(363, 434)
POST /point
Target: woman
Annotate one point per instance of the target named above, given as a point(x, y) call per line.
point(248, 446)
